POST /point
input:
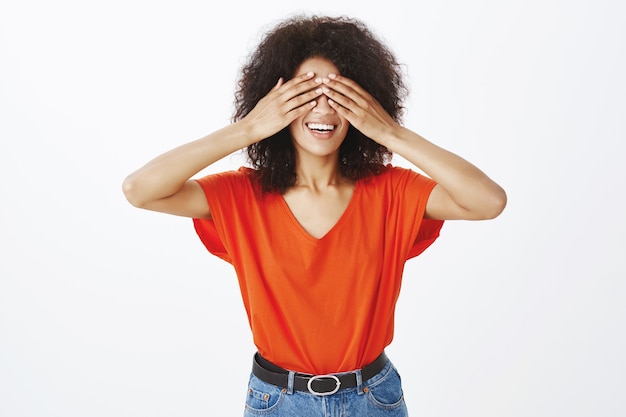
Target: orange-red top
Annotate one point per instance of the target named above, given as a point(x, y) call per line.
point(323, 305)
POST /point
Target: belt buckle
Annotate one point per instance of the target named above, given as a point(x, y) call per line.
point(337, 382)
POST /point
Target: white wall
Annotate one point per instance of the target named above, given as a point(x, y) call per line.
point(106, 310)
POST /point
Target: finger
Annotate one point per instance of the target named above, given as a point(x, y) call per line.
point(299, 79)
point(342, 111)
point(278, 84)
point(305, 100)
point(299, 94)
point(341, 80)
point(305, 88)
point(336, 98)
point(348, 88)
point(299, 111)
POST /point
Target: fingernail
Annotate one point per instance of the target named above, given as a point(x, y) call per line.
point(324, 89)
point(318, 91)
point(333, 76)
point(318, 80)
point(325, 80)
point(310, 73)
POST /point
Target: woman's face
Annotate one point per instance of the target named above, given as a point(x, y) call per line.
point(321, 130)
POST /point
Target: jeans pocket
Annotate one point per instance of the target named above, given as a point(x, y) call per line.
point(262, 398)
point(386, 393)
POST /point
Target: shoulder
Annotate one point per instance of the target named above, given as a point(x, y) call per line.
point(240, 178)
point(396, 176)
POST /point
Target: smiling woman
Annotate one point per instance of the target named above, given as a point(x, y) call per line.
point(318, 109)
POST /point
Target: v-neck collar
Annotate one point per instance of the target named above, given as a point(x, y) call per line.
point(342, 219)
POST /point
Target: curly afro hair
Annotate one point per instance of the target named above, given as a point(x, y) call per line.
point(358, 54)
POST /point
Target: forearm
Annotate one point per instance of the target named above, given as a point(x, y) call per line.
point(475, 194)
point(167, 173)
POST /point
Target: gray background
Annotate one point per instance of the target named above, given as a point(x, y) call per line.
point(107, 310)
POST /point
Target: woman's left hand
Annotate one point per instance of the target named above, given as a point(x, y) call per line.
point(359, 107)
point(462, 191)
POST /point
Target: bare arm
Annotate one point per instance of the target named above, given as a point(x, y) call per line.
point(463, 191)
point(164, 184)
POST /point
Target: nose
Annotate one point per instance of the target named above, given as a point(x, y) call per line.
point(322, 106)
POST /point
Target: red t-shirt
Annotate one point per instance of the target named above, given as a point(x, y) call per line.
point(323, 305)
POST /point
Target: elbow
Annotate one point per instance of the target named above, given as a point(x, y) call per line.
point(130, 188)
point(495, 204)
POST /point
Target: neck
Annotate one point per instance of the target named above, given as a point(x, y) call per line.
point(318, 173)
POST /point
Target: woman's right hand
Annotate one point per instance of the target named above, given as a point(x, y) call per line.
point(285, 102)
point(164, 183)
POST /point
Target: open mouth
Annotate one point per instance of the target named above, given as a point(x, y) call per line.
point(320, 127)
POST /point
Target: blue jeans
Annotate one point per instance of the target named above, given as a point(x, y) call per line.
point(379, 396)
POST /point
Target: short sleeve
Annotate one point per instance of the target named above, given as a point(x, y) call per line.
point(221, 190)
point(205, 228)
point(415, 190)
point(426, 235)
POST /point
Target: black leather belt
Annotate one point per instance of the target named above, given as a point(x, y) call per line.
point(314, 384)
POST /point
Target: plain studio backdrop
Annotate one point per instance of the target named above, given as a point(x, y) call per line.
point(108, 310)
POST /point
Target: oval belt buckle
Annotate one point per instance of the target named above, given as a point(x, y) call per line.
point(337, 381)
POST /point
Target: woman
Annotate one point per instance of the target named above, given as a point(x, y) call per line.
point(320, 225)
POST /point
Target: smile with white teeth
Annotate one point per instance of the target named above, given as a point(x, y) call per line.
point(320, 127)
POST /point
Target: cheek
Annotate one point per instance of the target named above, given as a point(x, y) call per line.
point(293, 127)
point(344, 128)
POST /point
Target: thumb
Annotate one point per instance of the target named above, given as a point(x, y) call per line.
point(278, 84)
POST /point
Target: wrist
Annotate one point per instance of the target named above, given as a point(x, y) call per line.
point(393, 138)
point(246, 132)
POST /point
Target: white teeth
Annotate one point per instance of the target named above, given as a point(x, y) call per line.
point(320, 126)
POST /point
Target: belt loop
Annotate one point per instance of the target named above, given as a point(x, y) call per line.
point(359, 382)
point(290, 380)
